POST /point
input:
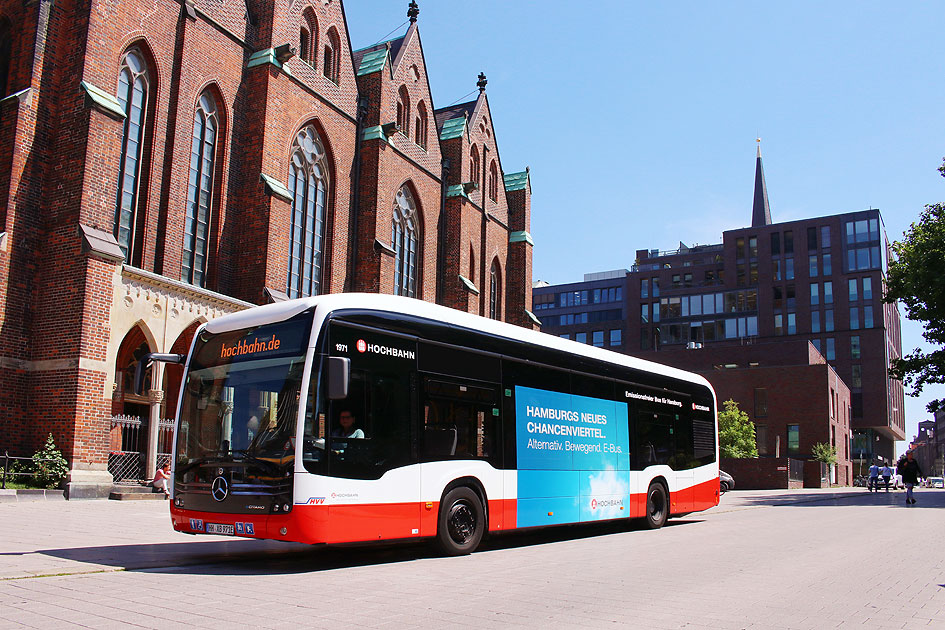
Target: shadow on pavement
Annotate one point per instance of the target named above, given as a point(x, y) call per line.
point(816, 498)
point(266, 557)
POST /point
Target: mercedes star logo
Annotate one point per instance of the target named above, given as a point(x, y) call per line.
point(219, 488)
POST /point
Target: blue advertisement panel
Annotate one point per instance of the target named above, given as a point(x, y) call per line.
point(573, 457)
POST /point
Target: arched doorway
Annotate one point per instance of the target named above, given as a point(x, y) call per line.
point(130, 411)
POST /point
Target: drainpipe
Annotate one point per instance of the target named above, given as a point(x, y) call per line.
point(355, 197)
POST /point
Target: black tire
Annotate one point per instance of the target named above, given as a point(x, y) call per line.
point(724, 486)
point(657, 505)
point(461, 522)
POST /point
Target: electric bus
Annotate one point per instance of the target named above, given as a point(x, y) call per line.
point(364, 417)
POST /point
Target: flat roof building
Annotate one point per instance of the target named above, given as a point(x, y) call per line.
point(818, 279)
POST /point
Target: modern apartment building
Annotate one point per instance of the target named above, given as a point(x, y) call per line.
point(818, 279)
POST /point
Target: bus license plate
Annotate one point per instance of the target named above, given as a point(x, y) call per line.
point(220, 528)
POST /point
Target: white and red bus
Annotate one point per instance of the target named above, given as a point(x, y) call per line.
point(363, 417)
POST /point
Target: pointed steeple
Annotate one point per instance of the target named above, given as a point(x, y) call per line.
point(760, 212)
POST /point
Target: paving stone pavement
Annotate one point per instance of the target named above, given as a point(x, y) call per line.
point(809, 559)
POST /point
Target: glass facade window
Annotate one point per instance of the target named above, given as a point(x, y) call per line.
point(828, 320)
point(788, 242)
point(854, 346)
point(857, 381)
point(789, 268)
point(828, 293)
point(828, 265)
point(740, 248)
point(565, 336)
point(825, 237)
point(656, 287)
point(775, 244)
point(753, 248)
point(853, 292)
point(761, 437)
point(656, 312)
point(816, 343)
point(815, 321)
point(644, 313)
point(779, 324)
point(581, 337)
point(867, 317)
point(867, 288)
point(812, 263)
point(854, 317)
point(616, 337)
point(791, 324)
point(761, 402)
point(598, 337)
point(831, 349)
point(776, 269)
point(811, 239)
point(644, 288)
point(814, 293)
point(793, 439)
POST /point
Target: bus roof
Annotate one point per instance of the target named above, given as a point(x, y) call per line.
point(326, 304)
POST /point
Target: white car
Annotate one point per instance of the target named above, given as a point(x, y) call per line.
point(935, 482)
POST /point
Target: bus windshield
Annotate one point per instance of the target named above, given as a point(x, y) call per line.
point(241, 398)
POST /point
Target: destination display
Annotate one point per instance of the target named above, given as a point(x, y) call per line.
point(573, 457)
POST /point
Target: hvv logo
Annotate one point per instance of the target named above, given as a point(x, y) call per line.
point(315, 501)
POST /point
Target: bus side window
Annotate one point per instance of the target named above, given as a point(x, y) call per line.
point(460, 420)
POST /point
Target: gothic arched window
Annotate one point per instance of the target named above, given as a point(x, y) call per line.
point(403, 241)
point(420, 135)
point(493, 181)
point(308, 37)
point(133, 98)
point(495, 287)
point(332, 55)
point(474, 164)
point(403, 110)
point(308, 183)
point(203, 150)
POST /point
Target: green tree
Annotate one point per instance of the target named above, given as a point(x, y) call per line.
point(915, 278)
point(823, 452)
point(736, 433)
point(49, 466)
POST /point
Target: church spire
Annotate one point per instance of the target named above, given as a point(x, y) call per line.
point(760, 212)
point(413, 10)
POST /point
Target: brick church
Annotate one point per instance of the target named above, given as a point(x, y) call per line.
point(165, 163)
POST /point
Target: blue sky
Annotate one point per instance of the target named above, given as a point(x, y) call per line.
point(638, 120)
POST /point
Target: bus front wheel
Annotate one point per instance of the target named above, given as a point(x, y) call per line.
point(657, 505)
point(461, 522)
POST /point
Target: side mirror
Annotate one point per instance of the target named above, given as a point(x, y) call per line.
point(339, 375)
point(146, 362)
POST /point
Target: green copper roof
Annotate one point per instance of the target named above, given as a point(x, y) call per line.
point(468, 284)
point(516, 181)
point(456, 191)
point(102, 100)
point(373, 62)
point(521, 237)
point(275, 187)
point(261, 57)
point(453, 128)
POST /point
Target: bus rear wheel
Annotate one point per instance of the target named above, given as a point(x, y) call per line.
point(461, 522)
point(657, 505)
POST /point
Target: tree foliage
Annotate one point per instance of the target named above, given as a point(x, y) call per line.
point(49, 466)
point(823, 452)
point(915, 278)
point(736, 432)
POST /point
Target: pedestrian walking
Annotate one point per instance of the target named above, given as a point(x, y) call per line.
point(873, 480)
point(886, 472)
point(910, 471)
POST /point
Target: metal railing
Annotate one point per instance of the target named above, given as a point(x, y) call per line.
point(9, 472)
point(129, 453)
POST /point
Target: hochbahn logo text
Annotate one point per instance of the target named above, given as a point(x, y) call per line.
point(251, 347)
point(387, 351)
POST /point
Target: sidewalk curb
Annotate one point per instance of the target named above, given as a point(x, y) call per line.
point(30, 494)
